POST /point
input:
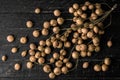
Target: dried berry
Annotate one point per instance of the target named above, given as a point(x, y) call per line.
point(29, 24)
point(37, 10)
point(17, 66)
point(10, 38)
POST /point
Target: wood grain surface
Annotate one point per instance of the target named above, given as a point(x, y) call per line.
point(13, 16)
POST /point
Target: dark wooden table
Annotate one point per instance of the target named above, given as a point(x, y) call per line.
point(14, 14)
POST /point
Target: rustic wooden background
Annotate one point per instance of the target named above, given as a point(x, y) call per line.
point(14, 14)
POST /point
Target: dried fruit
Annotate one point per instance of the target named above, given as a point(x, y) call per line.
point(4, 58)
point(57, 12)
point(10, 38)
point(37, 10)
point(14, 49)
point(17, 66)
point(29, 24)
point(85, 65)
point(23, 40)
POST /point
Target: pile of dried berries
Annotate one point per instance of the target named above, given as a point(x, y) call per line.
point(64, 46)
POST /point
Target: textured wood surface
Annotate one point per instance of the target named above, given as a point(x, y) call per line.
point(14, 14)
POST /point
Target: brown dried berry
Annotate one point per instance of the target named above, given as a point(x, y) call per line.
point(29, 24)
point(10, 38)
point(17, 66)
